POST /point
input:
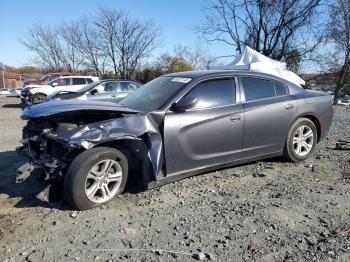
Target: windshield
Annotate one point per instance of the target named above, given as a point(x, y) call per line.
point(89, 86)
point(154, 94)
point(45, 77)
point(53, 80)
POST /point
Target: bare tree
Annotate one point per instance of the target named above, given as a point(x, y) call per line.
point(339, 42)
point(278, 29)
point(71, 56)
point(44, 43)
point(51, 49)
point(199, 57)
point(126, 41)
point(82, 35)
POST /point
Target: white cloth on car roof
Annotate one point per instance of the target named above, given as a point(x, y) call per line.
point(252, 60)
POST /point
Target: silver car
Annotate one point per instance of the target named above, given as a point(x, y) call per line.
point(173, 127)
point(104, 90)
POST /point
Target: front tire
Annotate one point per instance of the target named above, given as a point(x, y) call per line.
point(301, 141)
point(95, 177)
point(38, 98)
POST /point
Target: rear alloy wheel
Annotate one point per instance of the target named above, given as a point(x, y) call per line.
point(302, 139)
point(95, 177)
point(38, 98)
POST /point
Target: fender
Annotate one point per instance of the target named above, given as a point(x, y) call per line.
point(145, 127)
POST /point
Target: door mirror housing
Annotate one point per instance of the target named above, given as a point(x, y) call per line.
point(185, 103)
point(93, 91)
point(54, 84)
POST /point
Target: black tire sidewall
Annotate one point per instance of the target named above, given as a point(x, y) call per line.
point(36, 96)
point(289, 150)
point(74, 182)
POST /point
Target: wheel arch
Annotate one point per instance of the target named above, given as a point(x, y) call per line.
point(39, 93)
point(136, 151)
point(316, 122)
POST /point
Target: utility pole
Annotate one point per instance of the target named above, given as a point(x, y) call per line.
point(2, 67)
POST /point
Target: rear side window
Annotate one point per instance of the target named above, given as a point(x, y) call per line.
point(281, 89)
point(128, 86)
point(214, 93)
point(89, 80)
point(256, 88)
point(79, 81)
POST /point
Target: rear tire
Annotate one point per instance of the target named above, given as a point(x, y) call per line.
point(95, 177)
point(301, 141)
point(38, 98)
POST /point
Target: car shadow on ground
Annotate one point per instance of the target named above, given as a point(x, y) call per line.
point(13, 106)
point(31, 192)
point(34, 191)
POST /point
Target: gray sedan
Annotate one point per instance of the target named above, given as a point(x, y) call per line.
point(173, 127)
point(104, 90)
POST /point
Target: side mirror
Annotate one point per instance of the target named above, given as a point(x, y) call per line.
point(54, 84)
point(93, 91)
point(184, 104)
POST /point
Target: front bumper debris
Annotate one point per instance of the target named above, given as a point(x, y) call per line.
point(24, 171)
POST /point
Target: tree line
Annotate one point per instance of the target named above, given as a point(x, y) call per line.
point(114, 43)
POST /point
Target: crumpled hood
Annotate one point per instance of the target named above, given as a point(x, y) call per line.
point(65, 106)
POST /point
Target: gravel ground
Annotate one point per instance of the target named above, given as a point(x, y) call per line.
point(263, 211)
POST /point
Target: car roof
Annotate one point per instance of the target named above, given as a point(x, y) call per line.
point(208, 73)
point(119, 80)
point(77, 77)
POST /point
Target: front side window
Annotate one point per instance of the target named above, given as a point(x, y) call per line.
point(79, 81)
point(106, 87)
point(62, 81)
point(256, 88)
point(214, 93)
point(110, 87)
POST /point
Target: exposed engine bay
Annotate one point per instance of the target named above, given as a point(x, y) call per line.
point(45, 141)
point(52, 141)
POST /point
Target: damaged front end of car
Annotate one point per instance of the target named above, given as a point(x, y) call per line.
point(56, 132)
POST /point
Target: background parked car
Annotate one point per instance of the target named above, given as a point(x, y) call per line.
point(44, 79)
point(15, 92)
point(345, 101)
point(36, 94)
point(106, 90)
point(4, 91)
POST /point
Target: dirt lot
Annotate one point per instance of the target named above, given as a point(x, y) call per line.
point(262, 211)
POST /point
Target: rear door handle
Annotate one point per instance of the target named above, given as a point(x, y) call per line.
point(235, 118)
point(289, 106)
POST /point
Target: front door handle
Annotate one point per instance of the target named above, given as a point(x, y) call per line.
point(289, 106)
point(235, 118)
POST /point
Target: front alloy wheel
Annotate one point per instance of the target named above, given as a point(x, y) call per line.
point(103, 181)
point(95, 176)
